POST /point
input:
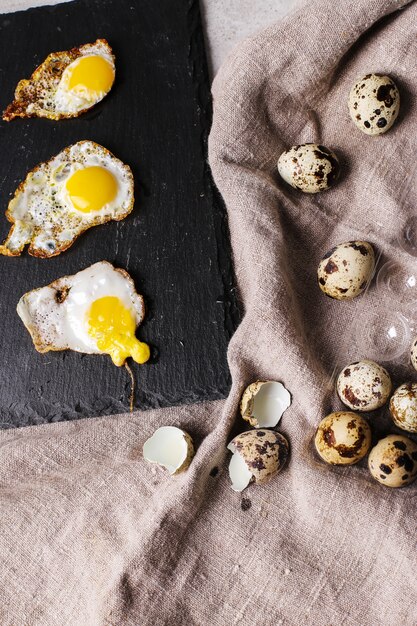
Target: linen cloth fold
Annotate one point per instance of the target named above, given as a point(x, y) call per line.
point(90, 534)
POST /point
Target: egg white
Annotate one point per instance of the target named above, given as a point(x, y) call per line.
point(42, 213)
point(56, 315)
point(46, 93)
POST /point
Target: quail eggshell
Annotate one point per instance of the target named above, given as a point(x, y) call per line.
point(413, 354)
point(364, 386)
point(346, 269)
point(309, 167)
point(343, 438)
point(264, 402)
point(265, 452)
point(403, 407)
point(393, 461)
point(374, 103)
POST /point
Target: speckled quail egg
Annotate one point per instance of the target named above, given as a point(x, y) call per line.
point(309, 167)
point(413, 354)
point(393, 461)
point(343, 438)
point(258, 455)
point(346, 269)
point(364, 386)
point(263, 403)
point(403, 407)
point(374, 103)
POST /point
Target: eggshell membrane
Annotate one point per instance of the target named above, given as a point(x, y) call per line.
point(263, 403)
point(171, 448)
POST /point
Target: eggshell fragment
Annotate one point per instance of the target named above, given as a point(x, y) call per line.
point(309, 167)
point(374, 104)
point(403, 407)
point(170, 447)
point(258, 455)
point(364, 386)
point(343, 438)
point(346, 269)
point(393, 461)
point(263, 403)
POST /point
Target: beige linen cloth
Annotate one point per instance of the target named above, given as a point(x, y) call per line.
point(93, 535)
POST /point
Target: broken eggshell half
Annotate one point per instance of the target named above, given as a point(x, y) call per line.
point(264, 403)
point(169, 447)
point(258, 455)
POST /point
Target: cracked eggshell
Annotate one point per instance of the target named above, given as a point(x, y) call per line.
point(171, 448)
point(258, 455)
point(264, 403)
point(393, 461)
point(364, 386)
point(374, 104)
point(343, 438)
point(346, 269)
point(403, 407)
point(309, 167)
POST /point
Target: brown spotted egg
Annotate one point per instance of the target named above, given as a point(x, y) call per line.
point(364, 386)
point(374, 103)
point(309, 167)
point(346, 269)
point(343, 438)
point(403, 407)
point(258, 455)
point(393, 461)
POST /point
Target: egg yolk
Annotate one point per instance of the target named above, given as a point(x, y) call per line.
point(113, 327)
point(93, 75)
point(91, 188)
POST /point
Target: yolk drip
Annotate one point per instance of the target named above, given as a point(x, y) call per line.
point(91, 188)
point(113, 327)
point(92, 74)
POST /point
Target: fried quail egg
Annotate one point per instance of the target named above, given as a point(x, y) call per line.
point(83, 186)
point(258, 455)
point(393, 461)
point(66, 84)
point(364, 386)
point(95, 311)
point(374, 103)
point(309, 167)
point(346, 269)
point(403, 407)
point(343, 438)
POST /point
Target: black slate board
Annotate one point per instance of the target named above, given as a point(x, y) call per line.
point(174, 244)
